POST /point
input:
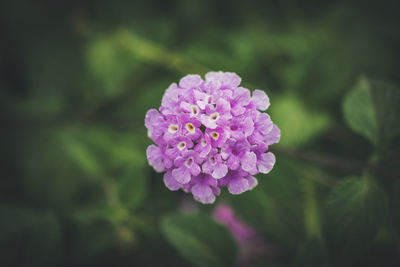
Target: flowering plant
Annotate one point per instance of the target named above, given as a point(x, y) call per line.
point(209, 134)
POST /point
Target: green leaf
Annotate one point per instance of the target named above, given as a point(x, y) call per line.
point(132, 186)
point(372, 109)
point(298, 124)
point(45, 243)
point(311, 253)
point(276, 206)
point(92, 234)
point(16, 220)
point(354, 213)
point(200, 240)
point(311, 210)
point(29, 238)
point(395, 204)
point(110, 65)
point(56, 175)
point(70, 165)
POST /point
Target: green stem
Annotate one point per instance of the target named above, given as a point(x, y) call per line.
point(311, 214)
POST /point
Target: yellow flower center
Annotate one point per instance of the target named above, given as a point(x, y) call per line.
point(181, 145)
point(215, 135)
point(190, 127)
point(214, 116)
point(173, 128)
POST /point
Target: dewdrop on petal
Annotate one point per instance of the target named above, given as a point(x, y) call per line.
point(209, 134)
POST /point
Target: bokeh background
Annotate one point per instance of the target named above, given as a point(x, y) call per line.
point(77, 78)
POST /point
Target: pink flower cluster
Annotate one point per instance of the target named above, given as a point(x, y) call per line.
point(209, 134)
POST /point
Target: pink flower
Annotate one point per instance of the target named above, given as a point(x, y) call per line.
point(204, 188)
point(215, 166)
point(250, 243)
point(211, 133)
point(186, 166)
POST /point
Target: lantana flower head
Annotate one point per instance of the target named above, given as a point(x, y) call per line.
point(209, 134)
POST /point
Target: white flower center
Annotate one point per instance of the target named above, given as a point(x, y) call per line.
point(208, 99)
point(190, 128)
point(181, 145)
point(213, 160)
point(214, 116)
point(173, 128)
point(203, 142)
point(194, 110)
point(215, 135)
point(189, 162)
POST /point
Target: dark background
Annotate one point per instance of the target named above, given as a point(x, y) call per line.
point(77, 77)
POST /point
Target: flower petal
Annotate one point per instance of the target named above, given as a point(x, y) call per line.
point(252, 181)
point(195, 170)
point(248, 126)
point(266, 163)
point(206, 200)
point(190, 81)
point(224, 78)
point(260, 100)
point(249, 161)
point(170, 182)
point(273, 136)
point(201, 190)
point(233, 163)
point(181, 175)
point(238, 186)
point(155, 157)
point(220, 170)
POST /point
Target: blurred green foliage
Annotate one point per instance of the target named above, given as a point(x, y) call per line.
point(200, 240)
point(77, 78)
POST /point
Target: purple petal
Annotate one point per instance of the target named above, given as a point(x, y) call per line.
point(238, 110)
point(207, 167)
point(238, 186)
point(195, 170)
point(205, 120)
point(201, 190)
point(170, 96)
point(273, 136)
point(185, 106)
point(151, 119)
point(179, 161)
point(224, 78)
point(167, 162)
point(216, 190)
point(249, 161)
point(220, 170)
point(264, 123)
point(172, 152)
point(233, 163)
point(260, 100)
point(223, 106)
point(170, 182)
point(248, 126)
point(238, 134)
point(190, 81)
point(256, 138)
point(242, 146)
point(242, 96)
point(252, 182)
point(155, 157)
point(181, 175)
point(206, 200)
point(201, 104)
point(266, 163)
point(259, 149)
point(204, 152)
